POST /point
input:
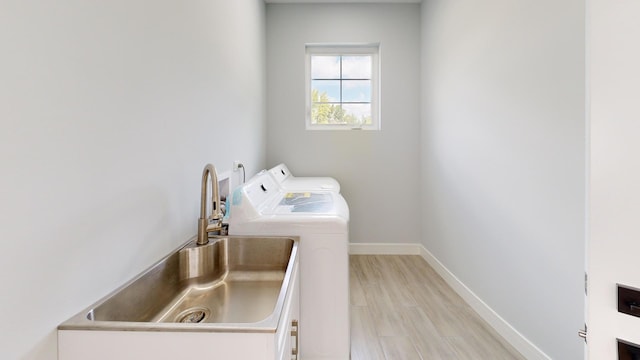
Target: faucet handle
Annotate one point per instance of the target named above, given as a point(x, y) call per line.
point(215, 225)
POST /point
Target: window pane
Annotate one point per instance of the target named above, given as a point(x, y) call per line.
point(356, 91)
point(327, 114)
point(319, 114)
point(356, 67)
point(357, 114)
point(325, 90)
point(325, 67)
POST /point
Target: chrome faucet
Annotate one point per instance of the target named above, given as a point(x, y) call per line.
point(214, 221)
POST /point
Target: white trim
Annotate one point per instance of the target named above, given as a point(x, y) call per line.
point(500, 325)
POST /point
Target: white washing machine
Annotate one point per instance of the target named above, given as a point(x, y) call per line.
point(320, 219)
point(288, 182)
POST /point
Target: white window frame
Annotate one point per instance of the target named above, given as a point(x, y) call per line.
point(372, 49)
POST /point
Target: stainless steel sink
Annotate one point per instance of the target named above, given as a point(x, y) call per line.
point(230, 284)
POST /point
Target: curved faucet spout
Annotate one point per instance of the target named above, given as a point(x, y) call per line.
point(204, 225)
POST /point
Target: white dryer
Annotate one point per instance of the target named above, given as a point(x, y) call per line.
point(288, 182)
point(320, 219)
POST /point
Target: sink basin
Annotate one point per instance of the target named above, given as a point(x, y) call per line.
point(230, 284)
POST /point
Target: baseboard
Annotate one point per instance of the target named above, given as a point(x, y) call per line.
point(511, 335)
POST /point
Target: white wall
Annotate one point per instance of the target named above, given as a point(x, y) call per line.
point(378, 170)
point(614, 198)
point(503, 155)
point(108, 113)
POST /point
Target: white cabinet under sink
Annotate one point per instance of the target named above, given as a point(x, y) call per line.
point(287, 335)
point(171, 345)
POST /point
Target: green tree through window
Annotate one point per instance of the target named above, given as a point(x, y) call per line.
point(323, 112)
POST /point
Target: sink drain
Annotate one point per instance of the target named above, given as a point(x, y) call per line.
point(193, 316)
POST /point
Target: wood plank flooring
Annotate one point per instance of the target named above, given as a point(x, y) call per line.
point(402, 309)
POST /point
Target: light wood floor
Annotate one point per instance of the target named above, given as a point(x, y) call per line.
point(402, 309)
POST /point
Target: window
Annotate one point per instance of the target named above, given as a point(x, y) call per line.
point(342, 87)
